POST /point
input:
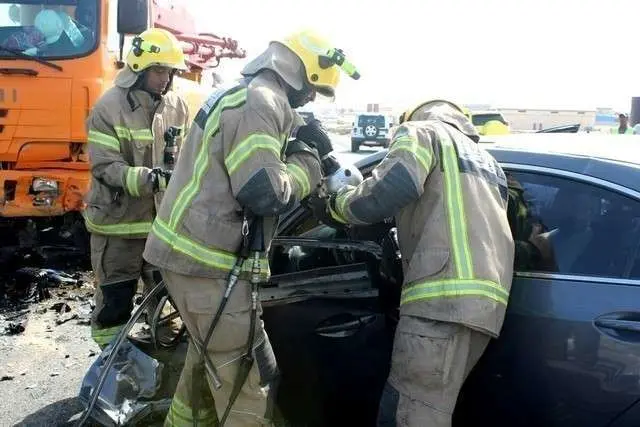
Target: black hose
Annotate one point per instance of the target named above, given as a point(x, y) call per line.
point(114, 350)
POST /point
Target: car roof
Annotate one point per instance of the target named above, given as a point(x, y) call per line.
point(613, 158)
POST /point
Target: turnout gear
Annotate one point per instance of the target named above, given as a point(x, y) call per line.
point(449, 198)
point(220, 174)
point(126, 144)
point(235, 164)
point(117, 264)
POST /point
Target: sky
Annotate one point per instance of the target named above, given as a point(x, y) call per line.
point(507, 53)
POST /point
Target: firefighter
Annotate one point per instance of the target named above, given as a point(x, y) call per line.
point(126, 141)
point(623, 126)
point(237, 166)
point(449, 198)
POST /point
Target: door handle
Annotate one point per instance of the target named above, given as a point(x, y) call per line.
point(618, 324)
point(343, 325)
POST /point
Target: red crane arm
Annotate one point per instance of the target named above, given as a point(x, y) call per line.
point(202, 50)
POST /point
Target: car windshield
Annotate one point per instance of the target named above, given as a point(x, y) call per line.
point(48, 28)
point(482, 118)
point(377, 121)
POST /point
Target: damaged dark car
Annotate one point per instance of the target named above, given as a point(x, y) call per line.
point(569, 351)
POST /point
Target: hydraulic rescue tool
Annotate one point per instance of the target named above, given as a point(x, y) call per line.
point(335, 175)
point(171, 147)
point(161, 176)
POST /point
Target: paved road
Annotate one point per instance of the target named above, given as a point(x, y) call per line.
point(342, 148)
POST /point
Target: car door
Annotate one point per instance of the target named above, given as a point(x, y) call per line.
point(328, 330)
point(569, 351)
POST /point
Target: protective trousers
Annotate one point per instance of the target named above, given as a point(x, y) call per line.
point(197, 300)
point(429, 364)
point(117, 264)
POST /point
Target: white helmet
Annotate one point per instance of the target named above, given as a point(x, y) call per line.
point(49, 23)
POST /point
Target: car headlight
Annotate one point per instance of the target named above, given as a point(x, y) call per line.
point(43, 184)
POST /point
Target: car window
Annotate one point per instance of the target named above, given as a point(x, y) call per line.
point(565, 226)
point(377, 121)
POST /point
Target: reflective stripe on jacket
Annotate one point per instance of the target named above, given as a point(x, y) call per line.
point(124, 144)
point(232, 159)
point(449, 197)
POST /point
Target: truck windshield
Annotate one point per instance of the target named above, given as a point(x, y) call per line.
point(48, 28)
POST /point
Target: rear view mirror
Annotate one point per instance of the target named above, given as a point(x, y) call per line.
point(133, 16)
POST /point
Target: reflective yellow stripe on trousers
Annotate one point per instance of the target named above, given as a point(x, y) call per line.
point(103, 336)
point(181, 415)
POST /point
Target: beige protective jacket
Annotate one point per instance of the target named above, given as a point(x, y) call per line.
point(449, 197)
point(126, 140)
point(233, 159)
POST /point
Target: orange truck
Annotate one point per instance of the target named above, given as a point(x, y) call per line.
point(57, 57)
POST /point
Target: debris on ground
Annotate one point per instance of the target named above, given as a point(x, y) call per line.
point(65, 319)
point(15, 316)
point(6, 378)
point(61, 307)
point(14, 328)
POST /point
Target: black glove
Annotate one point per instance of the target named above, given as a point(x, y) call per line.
point(319, 209)
point(160, 179)
point(296, 146)
point(314, 135)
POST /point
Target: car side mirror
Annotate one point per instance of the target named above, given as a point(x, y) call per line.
point(133, 16)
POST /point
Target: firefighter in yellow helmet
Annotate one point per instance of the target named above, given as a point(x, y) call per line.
point(126, 140)
point(449, 199)
point(238, 170)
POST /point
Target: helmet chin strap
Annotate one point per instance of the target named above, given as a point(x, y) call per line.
point(298, 98)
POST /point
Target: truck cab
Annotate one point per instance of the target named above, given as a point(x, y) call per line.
point(53, 67)
point(57, 57)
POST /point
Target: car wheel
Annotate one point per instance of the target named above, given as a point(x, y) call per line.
point(355, 146)
point(370, 132)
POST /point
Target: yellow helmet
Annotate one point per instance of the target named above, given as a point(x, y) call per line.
point(322, 61)
point(409, 114)
point(155, 46)
point(446, 111)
